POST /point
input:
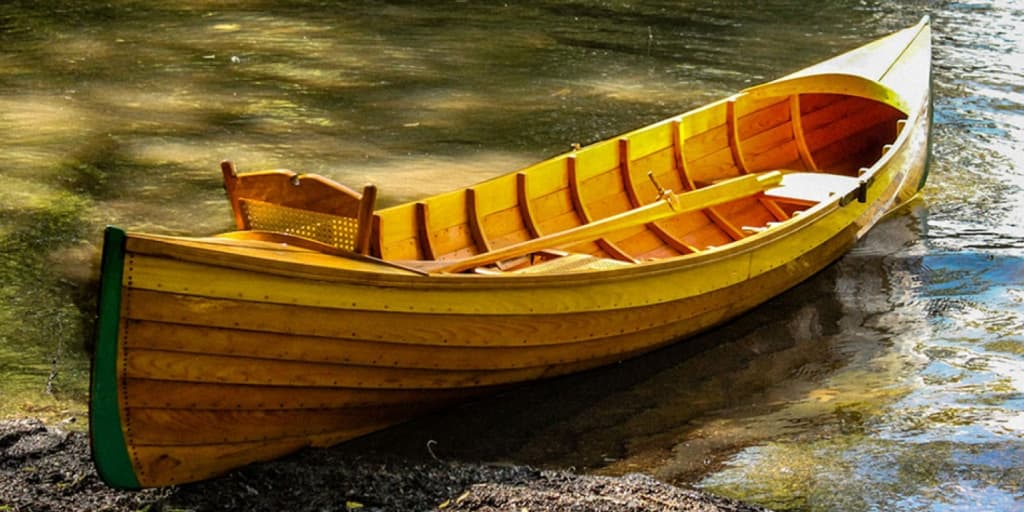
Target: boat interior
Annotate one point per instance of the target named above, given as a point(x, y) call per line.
point(820, 142)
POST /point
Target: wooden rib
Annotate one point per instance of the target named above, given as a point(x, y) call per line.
point(677, 153)
point(523, 194)
point(733, 130)
point(423, 231)
point(615, 251)
point(581, 210)
point(796, 120)
point(376, 237)
point(743, 166)
point(680, 246)
point(475, 222)
point(724, 224)
point(365, 219)
point(626, 167)
point(684, 173)
point(773, 208)
point(574, 191)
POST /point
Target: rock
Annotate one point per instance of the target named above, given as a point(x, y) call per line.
point(44, 468)
point(569, 492)
point(26, 438)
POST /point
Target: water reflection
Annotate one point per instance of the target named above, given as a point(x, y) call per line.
point(941, 420)
point(950, 439)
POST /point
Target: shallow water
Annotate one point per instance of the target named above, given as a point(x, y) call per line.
point(893, 380)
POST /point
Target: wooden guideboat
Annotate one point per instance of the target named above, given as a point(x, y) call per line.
point(320, 319)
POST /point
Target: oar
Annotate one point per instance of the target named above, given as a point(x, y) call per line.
point(667, 206)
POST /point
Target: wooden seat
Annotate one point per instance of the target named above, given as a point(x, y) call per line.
point(812, 187)
point(305, 205)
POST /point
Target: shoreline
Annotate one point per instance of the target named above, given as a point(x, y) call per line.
point(47, 468)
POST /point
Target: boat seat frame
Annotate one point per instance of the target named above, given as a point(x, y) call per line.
point(304, 205)
point(811, 188)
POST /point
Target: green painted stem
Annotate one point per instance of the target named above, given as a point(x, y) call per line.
point(109, 450)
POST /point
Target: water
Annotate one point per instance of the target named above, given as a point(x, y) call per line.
point(893, 380)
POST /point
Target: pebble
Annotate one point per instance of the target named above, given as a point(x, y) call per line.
point(45, 468)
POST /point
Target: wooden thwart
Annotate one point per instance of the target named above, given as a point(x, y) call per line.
point(671, 205)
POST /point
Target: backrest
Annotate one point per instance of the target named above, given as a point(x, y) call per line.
point(306, 205)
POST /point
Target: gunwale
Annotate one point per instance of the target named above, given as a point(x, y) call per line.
point(321, 268)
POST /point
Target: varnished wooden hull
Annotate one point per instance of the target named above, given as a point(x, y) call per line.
point(213, 352)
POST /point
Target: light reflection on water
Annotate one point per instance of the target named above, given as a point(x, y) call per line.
point(950, 437)
point(944, 426)
point(893, 380)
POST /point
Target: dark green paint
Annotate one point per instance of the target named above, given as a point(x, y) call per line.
point(931, 122)
point(109, 451)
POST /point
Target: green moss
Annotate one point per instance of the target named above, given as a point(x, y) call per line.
point(44, 316)
point(1015, 347)
point(92, 169)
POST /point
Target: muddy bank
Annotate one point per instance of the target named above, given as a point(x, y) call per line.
point(46, 468)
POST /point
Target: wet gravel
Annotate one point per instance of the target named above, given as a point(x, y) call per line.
point(45, 468)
